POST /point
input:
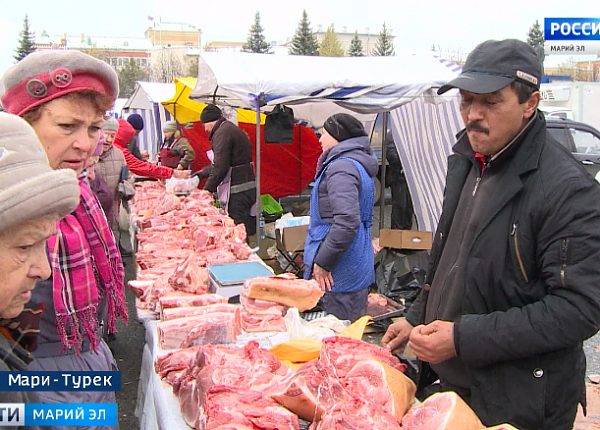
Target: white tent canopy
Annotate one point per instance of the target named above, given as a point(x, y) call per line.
point(146, 101)
point(317, 87)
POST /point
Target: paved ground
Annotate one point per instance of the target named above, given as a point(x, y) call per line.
point(127, 349)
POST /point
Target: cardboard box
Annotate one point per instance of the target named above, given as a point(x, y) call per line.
point(405, 239)
point(291, 239)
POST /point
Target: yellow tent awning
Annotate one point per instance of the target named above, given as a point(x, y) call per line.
point(183, 109)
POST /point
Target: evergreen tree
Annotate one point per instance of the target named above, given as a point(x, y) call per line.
point(256, 38)
point(331, 47)
point(304, 41)
point(535, 38)
point(356, 47)
point(129, 74)
point(535, 35)
point(384, 47)
point(26, 41)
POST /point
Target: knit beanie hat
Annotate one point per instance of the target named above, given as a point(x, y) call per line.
point(110, 124)
point(210, 113)
point(136, 121)
point(169, 127)
point(29, 188)
point(342, 126)
point(43, 76)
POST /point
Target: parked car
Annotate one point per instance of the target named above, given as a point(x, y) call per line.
point(582, 140)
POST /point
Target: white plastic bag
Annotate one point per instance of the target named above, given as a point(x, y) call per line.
point(182, 186)
point(298, 328)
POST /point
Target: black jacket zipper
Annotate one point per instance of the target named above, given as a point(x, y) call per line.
point(513, 233)
point(563, 256)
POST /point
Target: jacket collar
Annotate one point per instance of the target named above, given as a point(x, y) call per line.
point(216, 127)
point(107, 153)
point(525, 149)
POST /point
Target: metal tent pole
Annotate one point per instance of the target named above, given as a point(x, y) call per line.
point(383, 159)
point(259, 217)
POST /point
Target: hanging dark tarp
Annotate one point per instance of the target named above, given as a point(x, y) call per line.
point(279, 125)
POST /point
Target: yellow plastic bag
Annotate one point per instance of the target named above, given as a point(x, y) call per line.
point(298, 351)
point(357, 328)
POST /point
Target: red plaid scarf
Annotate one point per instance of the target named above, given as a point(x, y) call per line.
point(86, 265)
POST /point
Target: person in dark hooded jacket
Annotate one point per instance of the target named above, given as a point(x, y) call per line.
point(338, 250)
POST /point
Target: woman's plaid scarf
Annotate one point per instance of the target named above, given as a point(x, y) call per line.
point(86, 266)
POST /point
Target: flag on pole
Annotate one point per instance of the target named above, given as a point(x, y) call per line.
point(150, 18)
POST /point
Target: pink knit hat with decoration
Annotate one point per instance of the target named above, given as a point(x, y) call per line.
point(43, 76)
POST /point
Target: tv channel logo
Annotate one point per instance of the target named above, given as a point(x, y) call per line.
point(572, 36)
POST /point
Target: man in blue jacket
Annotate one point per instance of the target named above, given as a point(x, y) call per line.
point(513, 288)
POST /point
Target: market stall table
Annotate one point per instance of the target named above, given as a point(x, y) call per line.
point(157, 407)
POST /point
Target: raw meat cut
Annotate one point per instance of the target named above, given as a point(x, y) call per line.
point(442, 411)
point(174, 361)
point(250, 367)
point(309, 391)
point(189, 277)
point(216, 328)
point(176, 301)
point(376, 300)
point(342, 353)
point(258, 323)
point(189, 311)
point(381, 384)
point(356, 414)
point(297, 293)
point(139, 287)
point(261, 307)
point(224, 404)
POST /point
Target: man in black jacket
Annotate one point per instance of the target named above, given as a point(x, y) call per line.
point(231, 173)
point(513, 288)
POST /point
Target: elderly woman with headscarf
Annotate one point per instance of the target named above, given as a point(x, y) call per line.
point(63, 95)
point(338, 250)
point(33, 197)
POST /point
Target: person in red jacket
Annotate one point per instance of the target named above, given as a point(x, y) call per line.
point(124, 135)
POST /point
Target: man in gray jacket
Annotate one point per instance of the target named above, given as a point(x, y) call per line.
point(513, 288)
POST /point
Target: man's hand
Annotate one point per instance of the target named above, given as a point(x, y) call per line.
point(433, 342)
point(179, 167)
point(323, 278)
point(396, 336)
point(181, 174)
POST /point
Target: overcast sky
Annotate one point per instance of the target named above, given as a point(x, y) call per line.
point(455, 26)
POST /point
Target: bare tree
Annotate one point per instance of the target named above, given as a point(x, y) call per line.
point(167, 64)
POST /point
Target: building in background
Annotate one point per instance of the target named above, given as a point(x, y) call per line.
point(164, 40)
point(116, 51)
point(174, 34)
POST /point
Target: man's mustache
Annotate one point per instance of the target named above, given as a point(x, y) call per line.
point(475, 126)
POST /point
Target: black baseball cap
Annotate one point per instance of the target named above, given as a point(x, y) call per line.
point(494, 64)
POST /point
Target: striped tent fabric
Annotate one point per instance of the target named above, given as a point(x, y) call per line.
point(152, 132)
point(450, 65)
point(424, 133)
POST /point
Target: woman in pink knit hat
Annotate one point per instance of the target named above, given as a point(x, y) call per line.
point(63, 95)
